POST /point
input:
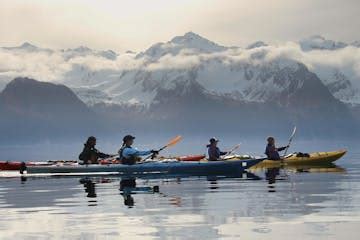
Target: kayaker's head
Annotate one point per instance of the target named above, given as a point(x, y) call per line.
point(271, 140)
point(128, 140)
point(91, 141)
point(213, 142)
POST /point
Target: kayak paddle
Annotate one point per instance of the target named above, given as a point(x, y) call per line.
point(237, 146)
point(171, 143)
point(290, 140)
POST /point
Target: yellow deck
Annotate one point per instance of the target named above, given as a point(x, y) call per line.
point(315, 158)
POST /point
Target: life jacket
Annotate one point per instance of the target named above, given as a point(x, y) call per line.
point(128, 161)
point(89, 155)
point(271, 152)
point(213, 152)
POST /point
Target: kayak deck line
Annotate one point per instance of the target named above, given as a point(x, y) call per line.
point(148, 168)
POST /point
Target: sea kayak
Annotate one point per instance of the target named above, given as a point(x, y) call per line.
point(162, 167)
point(16, 166)
point(191, 158)
point(10, 166)
point(316, 158)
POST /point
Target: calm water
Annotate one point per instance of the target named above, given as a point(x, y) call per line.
point(291, 204)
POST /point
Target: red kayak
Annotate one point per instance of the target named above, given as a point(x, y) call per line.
point(9, 166)
point(191, 158)
point(16, 166)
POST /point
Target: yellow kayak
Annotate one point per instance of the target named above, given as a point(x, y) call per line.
point(316, 158)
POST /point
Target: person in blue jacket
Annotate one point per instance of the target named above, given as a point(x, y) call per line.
point(129, 155)
point(271, 151)
point(213, 150)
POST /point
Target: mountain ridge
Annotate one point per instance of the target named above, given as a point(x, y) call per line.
point(106, 76)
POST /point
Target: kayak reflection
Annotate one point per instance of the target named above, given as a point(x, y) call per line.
point(128, 187)
point(89, 186)
point(275, 174)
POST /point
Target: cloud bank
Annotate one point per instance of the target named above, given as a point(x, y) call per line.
point(57, 65)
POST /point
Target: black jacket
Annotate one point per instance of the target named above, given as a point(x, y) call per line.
point(91, 154)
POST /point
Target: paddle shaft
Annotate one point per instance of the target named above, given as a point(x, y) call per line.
point(290, 140)
point(153, 155)
point(232, 150)
point(173, 142)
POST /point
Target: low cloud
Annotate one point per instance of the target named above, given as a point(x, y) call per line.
point(54, 65)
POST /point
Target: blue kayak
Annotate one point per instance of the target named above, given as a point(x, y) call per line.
point(162, 167)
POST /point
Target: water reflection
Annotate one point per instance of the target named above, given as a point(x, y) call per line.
point(250, 204)
point(271, 175)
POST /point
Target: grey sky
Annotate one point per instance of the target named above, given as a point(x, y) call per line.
point(136, 24)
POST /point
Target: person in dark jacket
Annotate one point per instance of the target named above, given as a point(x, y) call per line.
point(213, 151)
point(271, 151)
point(90, 154)
point(129, 155)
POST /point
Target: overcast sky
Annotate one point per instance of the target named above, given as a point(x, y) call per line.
point(136, 24)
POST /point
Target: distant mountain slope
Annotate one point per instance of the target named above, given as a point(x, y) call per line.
point(32, 109)
point(28, 96)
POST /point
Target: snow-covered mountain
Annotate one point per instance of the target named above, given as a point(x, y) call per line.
point(257, 45)
point(85, 51)
point(257, 74)
point(318, 42)
point(27, 47)
point(190, 42)
point(243, 74)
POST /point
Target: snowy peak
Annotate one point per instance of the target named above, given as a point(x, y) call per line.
point(355, 44)
point(194, 41)
point(27, 47)
point(190, 41)
point(83, 51)
point(318, 42)
point(257, 44)
point(109, 54)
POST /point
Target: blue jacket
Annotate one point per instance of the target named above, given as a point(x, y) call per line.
point(129, 152)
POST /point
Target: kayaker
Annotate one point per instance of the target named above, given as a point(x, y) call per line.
point(129, 155)
point(213, 151)
point(271, 151)
point(90, 154)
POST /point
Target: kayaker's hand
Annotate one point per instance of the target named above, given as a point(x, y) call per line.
point(154, 152)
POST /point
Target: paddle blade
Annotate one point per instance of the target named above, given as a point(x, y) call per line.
point(293, 133)
point(290, 140)
point(237, 146)
point(174, 141)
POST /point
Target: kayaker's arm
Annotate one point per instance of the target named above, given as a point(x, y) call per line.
point(223, 153)
point(281, 148)
point(133, 152)
point(103, 155)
